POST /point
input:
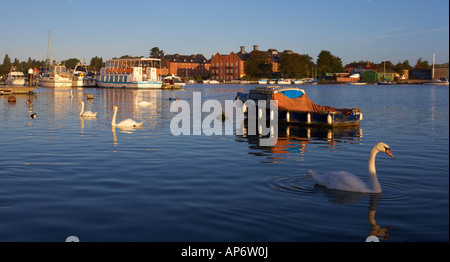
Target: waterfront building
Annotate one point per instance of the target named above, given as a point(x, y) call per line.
point(187, 65)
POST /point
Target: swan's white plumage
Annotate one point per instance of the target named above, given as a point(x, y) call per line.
point(124, 123)
point(346, 181)
point(87, 113)
point(340, 180)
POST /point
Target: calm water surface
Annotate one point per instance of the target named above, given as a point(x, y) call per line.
point(62, 175)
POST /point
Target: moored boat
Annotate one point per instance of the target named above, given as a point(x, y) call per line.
point(15, 78)
point(294, 107)
point(82, 76)
point(357, 83)
point(172, 81)
point(130, 73)
point(57, 77)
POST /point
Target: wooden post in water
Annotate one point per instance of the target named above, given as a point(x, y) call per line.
point(30, 77)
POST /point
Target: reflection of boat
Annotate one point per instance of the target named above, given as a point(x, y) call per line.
point(295, 138)
point(57, 77)
point(82, 77)
point(294, 107)
point(15, 78)
point(130, 73)
point(172, 82)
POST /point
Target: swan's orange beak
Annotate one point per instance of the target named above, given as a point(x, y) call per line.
point(388, 151)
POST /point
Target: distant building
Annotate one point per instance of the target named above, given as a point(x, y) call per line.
point(187, 65)
point(421, 74)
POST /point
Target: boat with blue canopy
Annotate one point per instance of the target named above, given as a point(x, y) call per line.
point(294, 107)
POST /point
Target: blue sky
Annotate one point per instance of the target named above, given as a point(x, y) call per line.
point(353, 30)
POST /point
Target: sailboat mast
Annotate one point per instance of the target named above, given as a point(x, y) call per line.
point(49, 50)
point(432, 70)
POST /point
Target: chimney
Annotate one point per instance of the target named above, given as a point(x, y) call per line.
point(243, 49)
point(255, 47)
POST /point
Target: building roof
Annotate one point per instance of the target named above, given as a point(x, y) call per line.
point(198, 58)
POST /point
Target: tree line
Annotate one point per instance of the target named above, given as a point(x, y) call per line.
point(95, 64)
point(257, 65)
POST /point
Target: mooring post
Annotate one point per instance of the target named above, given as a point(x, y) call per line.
point(30, 77)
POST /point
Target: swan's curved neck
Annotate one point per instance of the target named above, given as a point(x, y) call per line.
point(376, 188)
point(135, 100)
point(113, 121)
point(82, 109)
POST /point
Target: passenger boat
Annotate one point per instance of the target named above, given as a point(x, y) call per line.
point(15, 78)
point(56, 77)
point(294, 107)
point(172, 81)
point(82, 76)
point(130, 73)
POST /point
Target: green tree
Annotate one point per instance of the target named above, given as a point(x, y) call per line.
point(96, 63)
point(258, 64)
point(7, 63)
point(71, 63)
point(328, 63)
point(422, 64)
point(294, 65)
point(155, 52)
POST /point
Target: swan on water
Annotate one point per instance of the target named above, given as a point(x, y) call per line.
point(87, 113)
point(142, 103)
point(124, 123)
point(343, 180)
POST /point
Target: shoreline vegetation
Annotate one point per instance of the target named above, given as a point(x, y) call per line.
point(327, 69)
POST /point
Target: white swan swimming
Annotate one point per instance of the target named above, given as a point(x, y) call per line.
point(142, 103)
point(124, 123)
point(87, 113)
point(343, 180)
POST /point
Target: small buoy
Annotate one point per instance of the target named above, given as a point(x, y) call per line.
point(11, 99)
point(33, 115)
point(90, 96)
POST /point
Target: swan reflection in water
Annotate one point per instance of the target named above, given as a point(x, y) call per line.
point(123, 129)
point(346, 198)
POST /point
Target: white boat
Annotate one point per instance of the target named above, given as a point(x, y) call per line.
point(57, 77)
point(263, 81)
point(82, 77)
point(283, 81)
point(298, 82)
point(15, 78)
point(210, 81)
point(357, 83)
point(130, 73)
point(172, 81)
point(435, 82)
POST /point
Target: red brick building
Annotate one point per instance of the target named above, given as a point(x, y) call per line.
point(226, 67)
point(187, 66)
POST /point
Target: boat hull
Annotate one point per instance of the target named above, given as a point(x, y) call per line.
point(56, 84)
point(15, 82)
point(131, 85)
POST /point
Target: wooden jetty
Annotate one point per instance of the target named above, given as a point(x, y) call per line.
point(6, 90)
